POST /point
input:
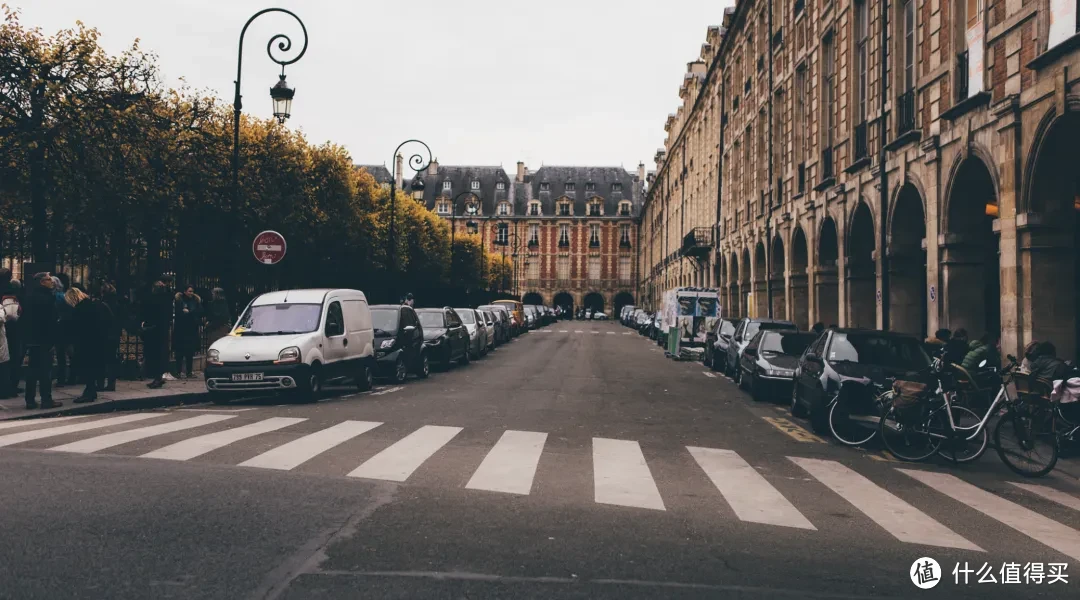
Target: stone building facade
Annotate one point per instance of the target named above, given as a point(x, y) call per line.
point(570, 232)
point(979, 224)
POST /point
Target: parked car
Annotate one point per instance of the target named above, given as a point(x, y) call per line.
point(517, 311)
point(399, 342)
point(744, 332)
point(493, 334)
point(625, 314)
point(445, 336)
point(857, 356)
point(769, 360)
point(294, 341)
point(532, 317)
point(599, 316)
point(478, 334)
point(503, 320)
point(716, 343)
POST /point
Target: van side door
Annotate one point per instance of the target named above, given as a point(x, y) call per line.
point(334, 341)
point(358, 333)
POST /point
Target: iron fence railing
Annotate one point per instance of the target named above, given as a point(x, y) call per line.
point(861, 150)
point(962, 76)
point(826, 163)
point(906, 112)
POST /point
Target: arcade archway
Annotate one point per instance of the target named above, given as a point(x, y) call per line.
point(533, 298)
point(622, 299)
point(970, 267)
point(566, 301)
point(779, 289)
point(860, 272)
point(594, 301)
point(761, 292)
point(907, 264)
point(826, 281)
point(800, 297)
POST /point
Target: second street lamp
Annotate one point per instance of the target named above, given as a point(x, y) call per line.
point(417, 162)
point(471, 209)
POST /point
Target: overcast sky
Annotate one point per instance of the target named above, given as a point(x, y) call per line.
point(558, 82)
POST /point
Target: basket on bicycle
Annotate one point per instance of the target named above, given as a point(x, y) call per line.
point(910, 400)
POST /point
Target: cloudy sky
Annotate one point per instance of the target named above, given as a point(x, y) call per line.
point(561, 82)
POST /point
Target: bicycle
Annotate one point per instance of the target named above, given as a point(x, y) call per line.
point(918, 430)
point(851, 426)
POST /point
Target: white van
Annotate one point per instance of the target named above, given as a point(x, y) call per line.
point(294, 341)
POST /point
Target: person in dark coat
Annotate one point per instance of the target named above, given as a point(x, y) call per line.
point(65, 357)
point(14, 296)
point(39, 320)
point(89, 323)
point(156, 317)
point(187, 311)
point(113, 330)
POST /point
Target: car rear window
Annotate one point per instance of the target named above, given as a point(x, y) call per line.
point(432, 319)
point(755, 326)
point(886, 351)
point(786, 342)
point(467, 316)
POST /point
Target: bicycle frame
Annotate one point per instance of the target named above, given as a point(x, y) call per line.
point(1002, 398)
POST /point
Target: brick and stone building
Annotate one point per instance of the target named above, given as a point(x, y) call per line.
point(979, 226)
point(570, 232)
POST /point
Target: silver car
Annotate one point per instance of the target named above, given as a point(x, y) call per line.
point(489, 322)
point(478, 331)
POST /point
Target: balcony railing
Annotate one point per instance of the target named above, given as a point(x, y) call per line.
point(861, 151)
point(906, 112)
point(778, 197)
point(826, 164)
point(698, 242)
point(962, 76)
point(800, 178)
point(534, 243)
point(594, 243)
point(564, 242)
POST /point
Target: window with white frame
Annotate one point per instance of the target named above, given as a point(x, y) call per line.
point(475, 184)
point(443, 207)
point(595, 208)
point(500, 186)
point(862, 59)
point(624, 236)
point(502, 234)
point(569, 186)
point(564, 234)
point(624, 209)
point(594, 235)
point(534, 234)
point(590, 187)
point(504, 208)
point(534, 209)
point(447, 186)
point(544, 186)
point(565, 209)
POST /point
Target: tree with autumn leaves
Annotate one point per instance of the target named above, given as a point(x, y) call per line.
point(107, 168)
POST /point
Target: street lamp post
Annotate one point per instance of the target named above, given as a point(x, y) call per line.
point(280, 93)
point(417, 162)
point(471, 211)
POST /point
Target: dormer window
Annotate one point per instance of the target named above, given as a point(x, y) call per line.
point(502, 234)
point(569, 186)
point(545, 186)
point(564, 209)
point(595, 209)
point(504, 209)
point(590, 187)
point(472, 208)
point(447, 186)
point(475, 184)
point(624, 209)
point(534, 209)
point(443, 207)
point(616, 187)
point(500, 186)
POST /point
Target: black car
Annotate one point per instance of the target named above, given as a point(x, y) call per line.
point(716, 342)
point(445, 336)
point(769, 360)
point(744, 332)
point(840, 357)
point(399, 342)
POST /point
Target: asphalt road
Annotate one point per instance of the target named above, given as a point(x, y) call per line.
point(575, 462)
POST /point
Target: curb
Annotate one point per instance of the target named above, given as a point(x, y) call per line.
point(94, 408)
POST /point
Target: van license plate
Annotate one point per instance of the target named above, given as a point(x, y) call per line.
point(247, 377)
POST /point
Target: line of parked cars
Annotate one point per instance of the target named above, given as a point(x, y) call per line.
point(647, 323)
point(298, 341)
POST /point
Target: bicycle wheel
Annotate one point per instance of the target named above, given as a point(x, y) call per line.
point(851, 429)
point(1026, 441)
point(909, 441)
point(964, 445)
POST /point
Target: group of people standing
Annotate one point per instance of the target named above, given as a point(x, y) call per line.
point(51, 324)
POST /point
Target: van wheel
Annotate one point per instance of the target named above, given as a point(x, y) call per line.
point(401, 371)
point(365, 380)
point(311, 390)
point(425, 367)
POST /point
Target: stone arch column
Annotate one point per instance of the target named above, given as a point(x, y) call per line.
point(778, 263)
point(826, 274)
point(798, 282)
point(761, 296)
point(908, 310)
point(861, 270)
point(745, 285)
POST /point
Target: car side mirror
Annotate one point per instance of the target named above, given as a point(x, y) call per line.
point(409, 329)
point(811, 357)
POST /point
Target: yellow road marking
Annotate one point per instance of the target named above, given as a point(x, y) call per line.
point(883, 457)
point(793, 430)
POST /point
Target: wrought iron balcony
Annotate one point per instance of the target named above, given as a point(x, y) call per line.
point(826, 164)
point(962, 76)
point(861, 150)
point(905, 112)
point(800, 178)
point(698, 242)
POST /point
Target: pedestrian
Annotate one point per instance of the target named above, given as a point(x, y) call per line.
point(818, 328)
point(114, 329)
point(156, 316)
point(219, 316)
point(89, 334)
point(39, 317)
point(984, 348)
point(1031, 352)
point(12, 304)
point(65, 357)
point(956, 348)
point(187, 308)
point(1046, 364)
point(409, 300)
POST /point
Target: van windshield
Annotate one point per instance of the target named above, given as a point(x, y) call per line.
point(279, 319)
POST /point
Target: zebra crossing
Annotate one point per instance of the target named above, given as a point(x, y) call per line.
point(622, 476)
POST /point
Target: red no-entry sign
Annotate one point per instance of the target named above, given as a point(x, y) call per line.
point(269, 247)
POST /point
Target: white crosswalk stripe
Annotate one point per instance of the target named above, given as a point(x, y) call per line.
point(29, 422)
point(748, 493)
point(1065, 540)
point(611, 333)
point(626, 333)
point(1050, 494)
point(399, 461)
point(37, 434)
point(109, 440)
point(578, 331)
point(511, 464)
point(291, 455)
point(621, 475)
point(197, 446)
point(905, 522)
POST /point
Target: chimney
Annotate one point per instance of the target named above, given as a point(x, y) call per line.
point(433, 168)
point(397, 169)
point(521, 172)
point(641, 171)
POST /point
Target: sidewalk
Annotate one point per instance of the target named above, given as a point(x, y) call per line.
point(128, 395)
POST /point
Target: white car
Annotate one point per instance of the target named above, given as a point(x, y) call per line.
point(294, 341)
